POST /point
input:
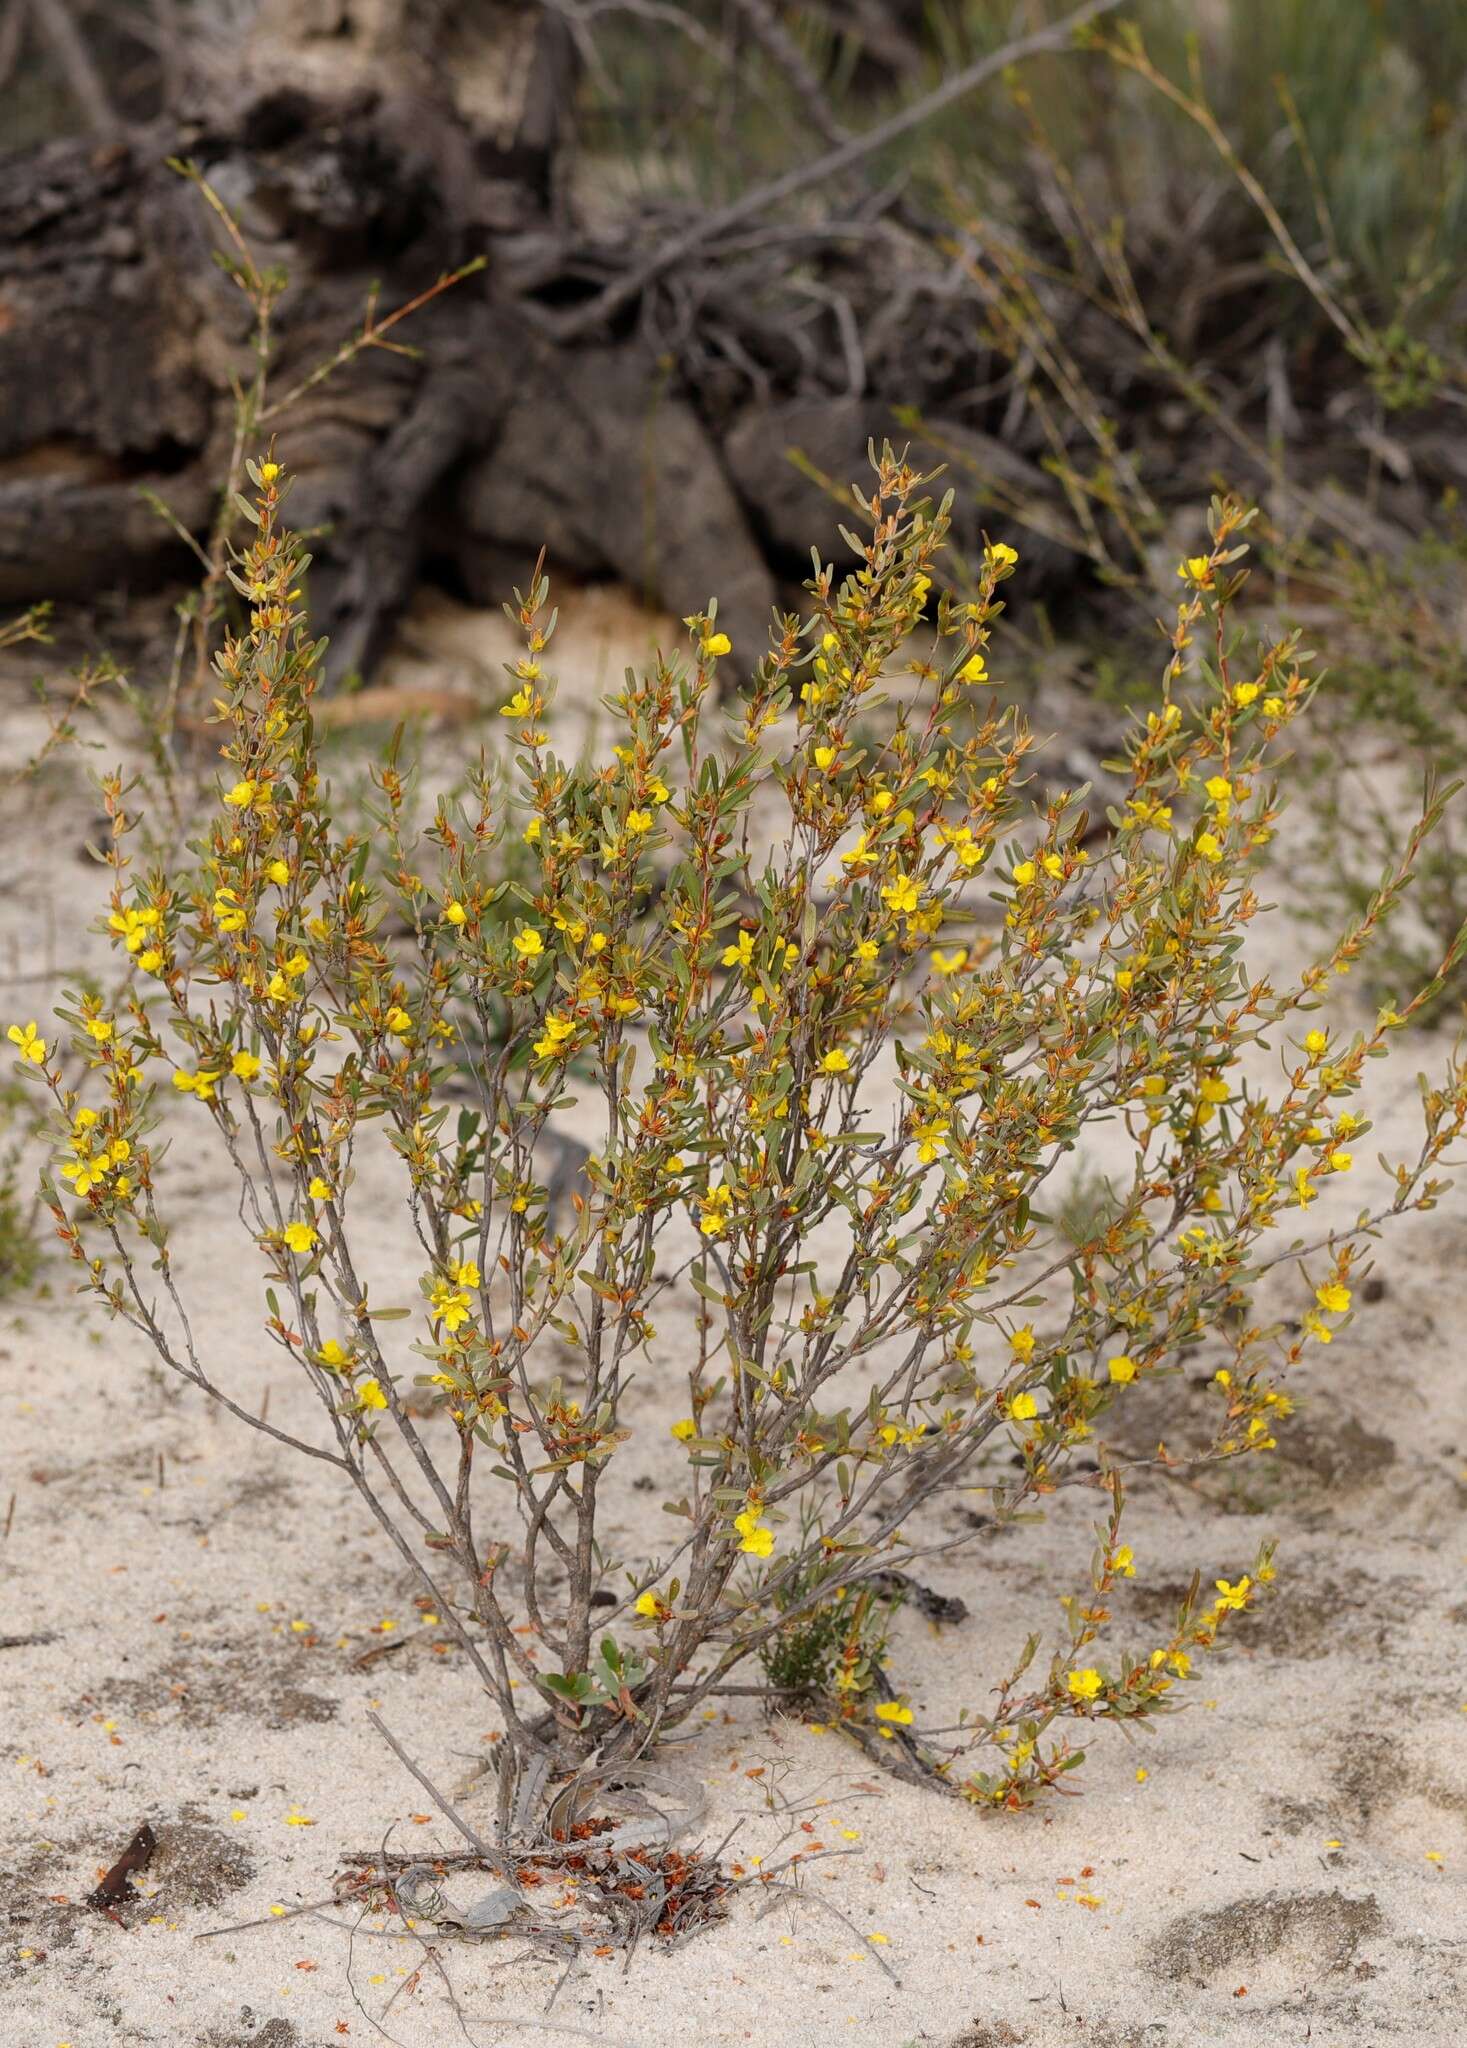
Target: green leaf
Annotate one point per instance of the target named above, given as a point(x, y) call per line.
point(577, 1687)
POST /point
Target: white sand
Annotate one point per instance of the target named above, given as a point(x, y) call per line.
point(1274, 1879)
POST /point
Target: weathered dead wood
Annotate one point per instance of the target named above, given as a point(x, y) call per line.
point(629, 407)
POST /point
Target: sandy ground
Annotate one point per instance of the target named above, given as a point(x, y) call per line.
point(1284, 1862)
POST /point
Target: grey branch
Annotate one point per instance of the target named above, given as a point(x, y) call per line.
point(54, 23)
point(833, 164)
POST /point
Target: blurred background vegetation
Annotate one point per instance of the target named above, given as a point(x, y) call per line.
point(1349, 111)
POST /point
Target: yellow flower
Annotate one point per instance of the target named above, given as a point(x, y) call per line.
point(859, 858)
point(132, 925)
point(1244, 693)
point(717, 644)
point(758, 1541)
point(970, 854)
point(895, 1713)
point(1208, 846)
point(450, 1305)
point(333, 1355)
point(685, 1430)
point(1316, 1044)
point(301, 1237)
point(1145, 814)
point(558, 1030)
point(973, 670)
point(200, 1084)
point(523, 704)
point(1022, 1342)
point(649, 1605)
point(1123, 1560)
point(1213, 1088)
point(1196, 569)
point(454, 913)
point(902, 894)
point(528, 943)
point(1023, 1408)
point(741, 952)
point(930, 1136)
point(1122, 1369)
point(824, 758)
point(370, 1394)
point(1084, 1685)
point(269, 471)
point(1025, 873)
point(1219, 790)
point(1000, 554)
point(1333, 1297)
point(835, 1063)
point(30, 1045)
point(1234, 1598)
point(244, 1066)
point(242, 795)
point(532, 832)
point(399, 1022)
point(318, 1189)
point(639, 821)
point(279, 872)
point(949, 963)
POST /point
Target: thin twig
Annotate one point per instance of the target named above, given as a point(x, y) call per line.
point(795, 1891)
point(819, 170)
point(265, 1920)
point(443, 1805)
point(786, 53)
point(84, 81)
point(12, 37)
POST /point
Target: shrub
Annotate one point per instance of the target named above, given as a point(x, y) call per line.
point(845, 1006)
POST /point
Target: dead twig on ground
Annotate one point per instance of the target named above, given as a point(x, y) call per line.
point(444, 1806)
